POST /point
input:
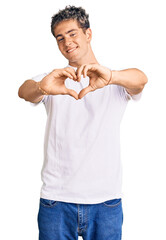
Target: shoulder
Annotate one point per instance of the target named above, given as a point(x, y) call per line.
point(39, 77)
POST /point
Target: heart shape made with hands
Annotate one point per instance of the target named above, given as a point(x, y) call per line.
point(77, 88)
point(99, 77)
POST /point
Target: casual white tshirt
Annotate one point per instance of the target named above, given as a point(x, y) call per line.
point(82, 144)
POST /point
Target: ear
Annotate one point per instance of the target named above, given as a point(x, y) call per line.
point(89, 34)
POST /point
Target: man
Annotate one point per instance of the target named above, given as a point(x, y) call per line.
point(85, 101)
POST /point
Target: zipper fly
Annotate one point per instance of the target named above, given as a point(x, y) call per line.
point(82, 218)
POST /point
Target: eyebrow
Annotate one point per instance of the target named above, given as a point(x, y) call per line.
point(60, 35)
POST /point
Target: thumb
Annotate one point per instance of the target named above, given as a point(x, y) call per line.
point(84, 91)
point(72, 93)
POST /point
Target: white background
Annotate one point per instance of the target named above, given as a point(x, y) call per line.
point(126, 34)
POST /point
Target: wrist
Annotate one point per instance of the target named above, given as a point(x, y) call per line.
point(113, 77)
point(42, 91)
point(110, 78)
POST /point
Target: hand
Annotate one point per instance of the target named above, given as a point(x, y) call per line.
point(54, 82)
point(99, 77)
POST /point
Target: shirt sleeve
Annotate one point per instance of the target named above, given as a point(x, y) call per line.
point(125, 95)
point(38, 78)
point(135, 97)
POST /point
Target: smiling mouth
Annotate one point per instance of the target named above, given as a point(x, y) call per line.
point(72, 50)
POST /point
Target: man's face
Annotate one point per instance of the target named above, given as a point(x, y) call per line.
point(72, 41)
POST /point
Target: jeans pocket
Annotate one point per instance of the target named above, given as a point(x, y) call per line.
point(48, 203)
point(113, 203)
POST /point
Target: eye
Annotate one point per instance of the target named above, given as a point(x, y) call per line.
point(60, 39)
point(73, 35)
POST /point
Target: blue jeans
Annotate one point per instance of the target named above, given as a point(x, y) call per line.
point(66, 221)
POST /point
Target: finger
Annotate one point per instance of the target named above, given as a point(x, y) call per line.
point(84, 91)
point(79, 72)
point(72, 93)
point(85, 70)
point(72, 72)
point(67, 74)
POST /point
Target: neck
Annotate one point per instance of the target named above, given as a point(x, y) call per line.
point(89, 58)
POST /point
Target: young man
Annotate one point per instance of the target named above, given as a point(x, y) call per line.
point(85, 101)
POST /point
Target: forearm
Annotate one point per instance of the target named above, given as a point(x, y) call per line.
point(132, 79)
point(30, 91)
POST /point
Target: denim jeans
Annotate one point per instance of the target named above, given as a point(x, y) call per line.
point(66, 221)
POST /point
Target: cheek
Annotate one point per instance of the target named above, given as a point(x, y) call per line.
point(83, 43)
point(61, 49)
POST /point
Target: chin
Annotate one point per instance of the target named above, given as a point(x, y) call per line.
point(73, 59)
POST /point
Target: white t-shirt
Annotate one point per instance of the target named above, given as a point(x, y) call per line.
point(82, 144)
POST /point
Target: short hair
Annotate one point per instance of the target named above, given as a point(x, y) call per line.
point(71, 12)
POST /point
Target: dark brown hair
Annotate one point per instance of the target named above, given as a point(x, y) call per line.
point(71, 12)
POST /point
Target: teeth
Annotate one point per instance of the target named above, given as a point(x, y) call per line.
point(71, 50)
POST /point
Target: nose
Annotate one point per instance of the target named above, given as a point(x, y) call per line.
point(68, 42)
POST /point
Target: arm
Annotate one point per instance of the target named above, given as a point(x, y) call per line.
point(51, 84)
point(30, 91)
point(132, 79)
